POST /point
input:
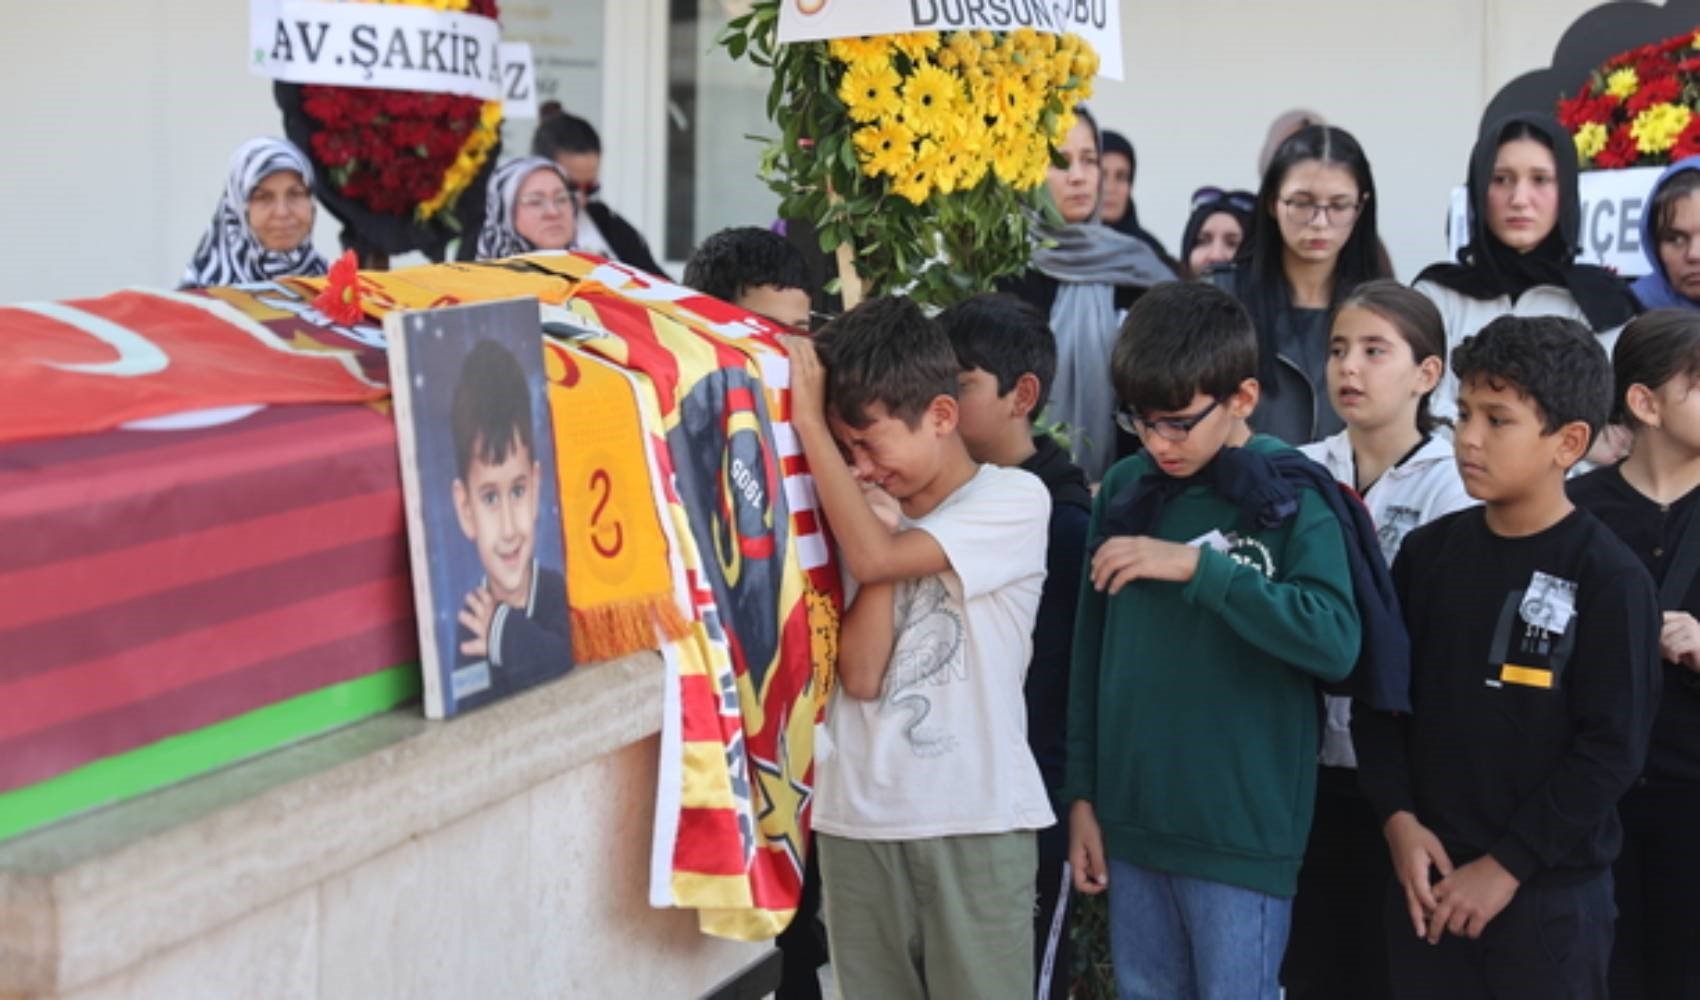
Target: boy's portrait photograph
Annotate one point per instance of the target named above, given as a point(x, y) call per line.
point(489, 508)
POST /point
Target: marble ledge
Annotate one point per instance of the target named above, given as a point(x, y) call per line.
point(103, 892)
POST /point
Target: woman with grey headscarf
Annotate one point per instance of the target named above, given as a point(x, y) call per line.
point(262, 227)
point(1084, 275)
point(527, 208)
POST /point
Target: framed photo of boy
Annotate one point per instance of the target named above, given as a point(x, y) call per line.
point(483, 511)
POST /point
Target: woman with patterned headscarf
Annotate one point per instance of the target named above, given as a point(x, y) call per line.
point(263, 225)
point(528, 208)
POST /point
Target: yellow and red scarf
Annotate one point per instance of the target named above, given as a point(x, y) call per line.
point(747, 557)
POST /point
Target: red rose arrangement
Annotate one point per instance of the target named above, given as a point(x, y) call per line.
point(402, 153)
point(1638, 109)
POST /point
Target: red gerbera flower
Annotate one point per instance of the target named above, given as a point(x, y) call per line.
point(1687, 143)
point(1676, 43)
point(1655, 91)
point(1582, 109)
point(1620, 150)
point(341, 298)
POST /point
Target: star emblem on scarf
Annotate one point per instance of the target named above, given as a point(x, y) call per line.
point(785, 796)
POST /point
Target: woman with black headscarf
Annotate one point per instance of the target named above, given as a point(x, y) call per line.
point(1525, 221)
point(1120, 166)
point(1082, 276)
point(262, 227)
point(1216, 229)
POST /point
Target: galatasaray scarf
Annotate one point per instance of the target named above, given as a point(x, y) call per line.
point(747, 557)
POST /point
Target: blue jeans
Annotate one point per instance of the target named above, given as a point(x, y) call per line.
point(1178, 938)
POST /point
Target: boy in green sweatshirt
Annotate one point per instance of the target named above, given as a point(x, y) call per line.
point(1217, 595)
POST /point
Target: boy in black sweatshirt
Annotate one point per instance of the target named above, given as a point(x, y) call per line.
point(1535, 658)
point(1008, 357)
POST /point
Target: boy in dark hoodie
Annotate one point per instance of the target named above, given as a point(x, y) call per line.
point(1534, 678)
point(1008, 357)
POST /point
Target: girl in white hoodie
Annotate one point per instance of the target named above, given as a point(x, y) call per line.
point(1386, 354)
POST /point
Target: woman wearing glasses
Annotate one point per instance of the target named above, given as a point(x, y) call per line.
point(1083, 276)
point(1312, 241)
point(1525, 225)
point(528, 208)
point(1215, 230)
point(263, 225)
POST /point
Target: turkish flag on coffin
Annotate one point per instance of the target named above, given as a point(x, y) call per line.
point(90, 364)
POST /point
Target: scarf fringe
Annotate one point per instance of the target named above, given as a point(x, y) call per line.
point(620, 628)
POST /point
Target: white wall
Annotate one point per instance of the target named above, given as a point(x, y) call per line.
point(122, 115)
point(1409, 79)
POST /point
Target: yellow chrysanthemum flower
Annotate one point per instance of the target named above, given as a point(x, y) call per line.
point(1011, 158)
point(861, 48)
point(1065, 125)
point(1086, 63)
point(1623, 83)
point(1037, 173)
point(932, 100)
point(1014, 100)
point(917, 45)
point(1068, 43)
point(973, 148)
point(869, 90)
point(1057, 69)
point(1655, 129)
point(436, 4)
point(885, 148)
point(966, 48)
point(1590, 139)
point(916, 182)
point(986, 39)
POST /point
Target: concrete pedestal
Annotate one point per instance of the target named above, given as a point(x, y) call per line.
point(503, 854)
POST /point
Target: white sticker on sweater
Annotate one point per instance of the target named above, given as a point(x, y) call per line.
point(1549, 603)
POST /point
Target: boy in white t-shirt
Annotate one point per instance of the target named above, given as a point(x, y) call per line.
point(927, 795)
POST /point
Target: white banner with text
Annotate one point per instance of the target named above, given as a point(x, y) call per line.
point(390, 47)
point(1097, 21)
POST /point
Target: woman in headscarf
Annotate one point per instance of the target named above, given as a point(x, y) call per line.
point(1280, 130)
point(1215, 230)
point(263, 225)
point(1083, 275)
point(1312, 241)
point(1525, 222)
point(1670, 237)
point(1120, 166)
point(528, 208)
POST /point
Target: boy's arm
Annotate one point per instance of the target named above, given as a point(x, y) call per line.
point(1384, 775)
point(1053, 642)
point(1308, 617)
point(519, 645)
point(865, 641)
point(872, 554)
point(1612, 692)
